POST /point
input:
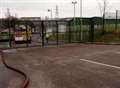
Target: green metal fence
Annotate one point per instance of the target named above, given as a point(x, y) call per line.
point(57, 32)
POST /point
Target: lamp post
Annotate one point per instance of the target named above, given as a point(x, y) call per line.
point(1, 19)
point(74, 3)
point(104, 15)
point(50, 10)
point(81, 20)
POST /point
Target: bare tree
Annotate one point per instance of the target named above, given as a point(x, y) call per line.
point(104, 13)
point(103, 8)
point(100, 7)
point(103, 5)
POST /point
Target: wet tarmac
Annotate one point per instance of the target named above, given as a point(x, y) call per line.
point(8, 78)
point(76, 66)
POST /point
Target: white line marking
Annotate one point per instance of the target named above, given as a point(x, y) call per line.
point(101, 52)
point(102, 64)
point(117, 52)
point(9, 51)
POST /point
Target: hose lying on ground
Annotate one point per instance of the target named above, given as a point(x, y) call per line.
point(26, 78)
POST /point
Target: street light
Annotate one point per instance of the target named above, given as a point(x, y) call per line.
point(74, 3)
point(1, 19)
point(50, 10)
point(81, 19)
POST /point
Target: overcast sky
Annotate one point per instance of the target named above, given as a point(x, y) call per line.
point(39, 7)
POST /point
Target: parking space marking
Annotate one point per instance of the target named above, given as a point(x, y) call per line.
point(10, 50)
point(102, 64)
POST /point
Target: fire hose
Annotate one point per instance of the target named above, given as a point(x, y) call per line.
point(26, 78)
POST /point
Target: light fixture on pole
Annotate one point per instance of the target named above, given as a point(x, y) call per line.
point(57, 11)
point(50, 10)
point(104, 15)
point(81, 20)
point(74, 3)
point(1, 19)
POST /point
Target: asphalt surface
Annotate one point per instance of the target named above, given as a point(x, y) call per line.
point(8, 78)
point(71, 66)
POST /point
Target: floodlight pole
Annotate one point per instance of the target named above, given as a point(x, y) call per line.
point(104, 15)
point(50, 10)
point(74, 3)
point(1, 18)
point(81, 19)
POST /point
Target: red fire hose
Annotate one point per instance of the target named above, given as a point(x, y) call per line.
point(26, 78)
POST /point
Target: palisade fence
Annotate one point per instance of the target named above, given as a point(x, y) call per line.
point(59, 32)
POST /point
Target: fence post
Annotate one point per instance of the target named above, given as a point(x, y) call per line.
point(69, 32)
point(116, 23)
point(91, 33)
point(43, 28)
point(9, 23)
point(13, 36)
point(103, 24)
point(57, 39)
point(26, 33)
point(40, 29)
